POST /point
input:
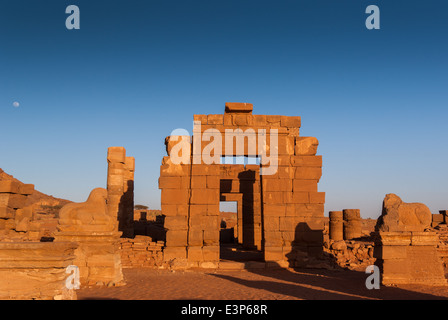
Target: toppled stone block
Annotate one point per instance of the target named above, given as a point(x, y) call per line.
point(6, 213)
point(9, 186)
point(237, 107)
point(26, 189)
point(12, 200)
point(306, 146)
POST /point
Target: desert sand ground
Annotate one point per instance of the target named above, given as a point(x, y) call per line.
point(266, 284)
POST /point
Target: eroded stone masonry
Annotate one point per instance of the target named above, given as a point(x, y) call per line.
point(280, 214)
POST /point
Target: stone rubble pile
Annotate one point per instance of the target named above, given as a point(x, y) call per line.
point(350, 254)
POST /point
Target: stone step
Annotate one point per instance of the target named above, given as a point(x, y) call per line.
point(243, 265)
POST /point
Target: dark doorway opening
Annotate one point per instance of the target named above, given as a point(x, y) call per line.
point(231, 246)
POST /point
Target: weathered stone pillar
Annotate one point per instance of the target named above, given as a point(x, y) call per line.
point(120, 188)
point(336, 225)
point(116, 158)
point(352, 224)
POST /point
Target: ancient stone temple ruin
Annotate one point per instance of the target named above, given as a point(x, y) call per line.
point(280, 210)
point(259, 162)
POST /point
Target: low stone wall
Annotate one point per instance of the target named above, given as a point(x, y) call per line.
point(141, 252)
point(36, 270)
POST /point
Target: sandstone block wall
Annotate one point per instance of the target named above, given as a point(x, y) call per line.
point(190, 203)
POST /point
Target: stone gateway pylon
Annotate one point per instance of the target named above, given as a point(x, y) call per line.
point(280, 210)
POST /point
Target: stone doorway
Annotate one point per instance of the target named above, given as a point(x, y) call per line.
point(241, 185)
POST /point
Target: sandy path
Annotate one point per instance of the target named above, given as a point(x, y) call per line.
point(148, 284)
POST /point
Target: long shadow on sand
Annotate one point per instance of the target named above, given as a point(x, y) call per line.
point(312, 284)
point(321, 284)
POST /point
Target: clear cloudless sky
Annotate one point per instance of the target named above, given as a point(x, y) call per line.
point(137, 69)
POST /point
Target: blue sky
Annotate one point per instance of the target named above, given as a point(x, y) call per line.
point(136, 70)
